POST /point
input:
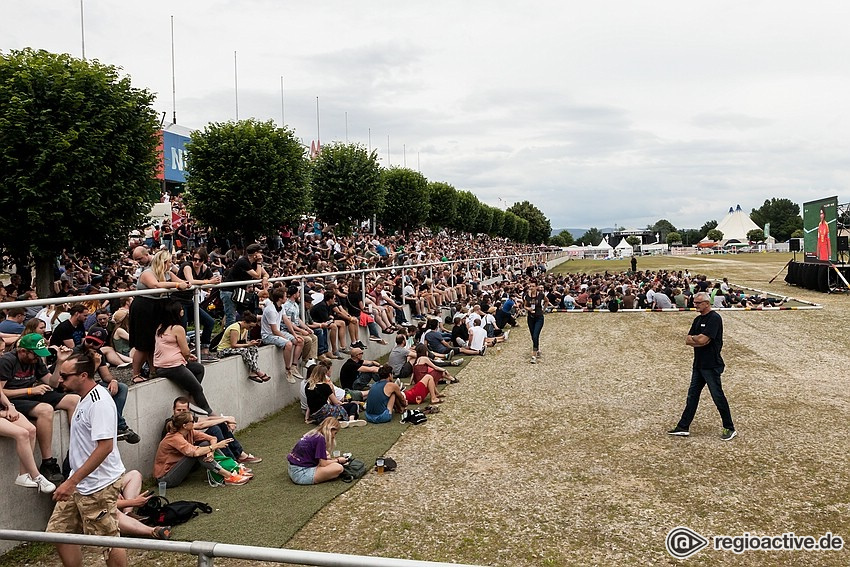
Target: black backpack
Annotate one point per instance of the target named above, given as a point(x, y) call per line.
point(160, 512)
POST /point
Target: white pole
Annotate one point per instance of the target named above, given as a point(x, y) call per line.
point(173, 79)
point(83, 29)
point(282, 108)
point(236, 85)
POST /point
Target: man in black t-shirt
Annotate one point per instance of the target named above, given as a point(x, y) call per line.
point(30, 388)
point(706, 338)
point(356, 373)
point(70, 333)
point(246, 268)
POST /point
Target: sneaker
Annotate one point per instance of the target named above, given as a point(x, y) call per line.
point(457, 362)
point(289, 377)
point(356, 422)
point(311, 362)
point(344, 350)
point(208, 357)
point(296, 373)
point(449, 355)
point(728, 434)
point(507, 334)
point(236, 480)
point(679, 432)
point(343, 424)
point(129, 436)
point(124, 365)
point(44, 485)
point(51, 470)
point(482, 351)
point(375, 339)
point(26, 481)
point(533, 359)
point(250, 459)
point(359, 344)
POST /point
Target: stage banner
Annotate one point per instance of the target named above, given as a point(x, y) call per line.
point(819, 226)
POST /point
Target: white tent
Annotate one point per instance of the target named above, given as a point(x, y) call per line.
point(624, 248)
point(735, 225)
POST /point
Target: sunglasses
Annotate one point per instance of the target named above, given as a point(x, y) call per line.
point(66, 375)
point(197, 259)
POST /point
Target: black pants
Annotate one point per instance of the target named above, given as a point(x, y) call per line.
point(699, 378)
point(189, 378)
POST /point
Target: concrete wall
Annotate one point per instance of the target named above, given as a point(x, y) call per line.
point(148, 406)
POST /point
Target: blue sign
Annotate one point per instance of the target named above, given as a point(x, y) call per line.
point(174, 156)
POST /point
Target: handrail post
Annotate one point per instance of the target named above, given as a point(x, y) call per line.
point(196, 309)
point(303, 313)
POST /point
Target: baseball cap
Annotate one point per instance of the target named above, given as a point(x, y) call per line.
point(34, 343)
point(97, 334)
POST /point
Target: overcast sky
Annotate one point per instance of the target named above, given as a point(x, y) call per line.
point(600, 113)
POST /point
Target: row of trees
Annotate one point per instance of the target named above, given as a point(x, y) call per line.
point(245, 178)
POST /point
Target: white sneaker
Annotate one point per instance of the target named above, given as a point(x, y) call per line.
point(533, 359)
point(295, 373)
point(289, 377)
point(356, 422)
point(507, 334)
point(44, 485)
point(26, 481)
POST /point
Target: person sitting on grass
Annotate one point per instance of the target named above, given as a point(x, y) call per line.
point(219, 426)
point(130, 498)
point(183, 449)
point(385, 396)
point(423, 382)
point(235, 341)
point(310, 461)
point(322, 401)
point(438, 345)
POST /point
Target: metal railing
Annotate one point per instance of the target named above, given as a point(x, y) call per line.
point(494, 261)
point(206, 551)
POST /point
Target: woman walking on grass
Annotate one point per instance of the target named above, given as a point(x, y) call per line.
point(535, 304)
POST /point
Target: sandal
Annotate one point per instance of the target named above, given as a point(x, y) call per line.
point(255, 378)
point(437, 401)
point(161, 532)
point(138, 379)
point(264, 377)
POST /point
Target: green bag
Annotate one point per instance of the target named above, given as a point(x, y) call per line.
point(224, 462)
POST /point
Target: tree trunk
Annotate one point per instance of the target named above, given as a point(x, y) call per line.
point(44, 271)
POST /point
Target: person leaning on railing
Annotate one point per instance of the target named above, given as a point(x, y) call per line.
point(146, 311)
point(246, 268)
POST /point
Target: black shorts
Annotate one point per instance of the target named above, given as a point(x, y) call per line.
point(26, 404)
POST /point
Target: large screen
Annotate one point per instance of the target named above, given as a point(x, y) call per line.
point(819, 227)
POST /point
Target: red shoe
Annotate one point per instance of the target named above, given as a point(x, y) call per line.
point(236, 480)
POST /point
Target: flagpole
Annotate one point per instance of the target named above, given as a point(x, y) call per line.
point(282, 108)
point(318, 128)
point(236, 85)
point(388, 151)
point(173, 79)
point(83, 29)
point(346, 127)
point(404, 154)
point(370, 141)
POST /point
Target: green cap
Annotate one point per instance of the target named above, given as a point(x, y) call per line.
point(35, 343)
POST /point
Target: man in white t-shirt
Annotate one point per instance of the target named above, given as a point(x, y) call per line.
point(271, 333)
point(87, 501)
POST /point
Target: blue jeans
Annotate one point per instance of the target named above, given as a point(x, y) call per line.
point(699, 378)
point(222, 432)
point(207, 322)
point(384, 417)
point(229, 307)
point(535, 325)
point(120, 399)
point(322, 337)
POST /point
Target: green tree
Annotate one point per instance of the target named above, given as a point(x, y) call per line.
point(691, 236)
point(407, 203)
point(467, 211)
point(633, 240)
point(703, 231)
point(77, 155)
point(443, 200)
point(662, 227)
point(756, 235)
point(521, 230)
point(347, 185)
point(498, 221)
point(564, 238)
point(715, 235)
point(591, 238)
point(673, 238)
point(783, 216)
point(539, 227)
point(244, 178)
point(509, 226)
point(798, 233)
point(484, 219)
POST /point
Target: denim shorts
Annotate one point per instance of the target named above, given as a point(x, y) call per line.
point(302, 475)
point(275, 340)
point(384, 417)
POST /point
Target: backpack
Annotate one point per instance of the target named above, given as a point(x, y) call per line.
point(160, 512)
point(352, 470)
point(413, 416)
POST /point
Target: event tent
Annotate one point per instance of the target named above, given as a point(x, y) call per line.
point(735, 226)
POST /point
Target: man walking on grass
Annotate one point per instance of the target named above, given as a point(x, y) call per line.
point(706, 338)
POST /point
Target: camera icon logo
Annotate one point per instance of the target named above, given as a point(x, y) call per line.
point(684, 542)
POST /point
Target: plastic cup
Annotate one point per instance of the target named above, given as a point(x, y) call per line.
point(162, 486)
point(336, 454)
point(418, 400)
point(380, 464)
